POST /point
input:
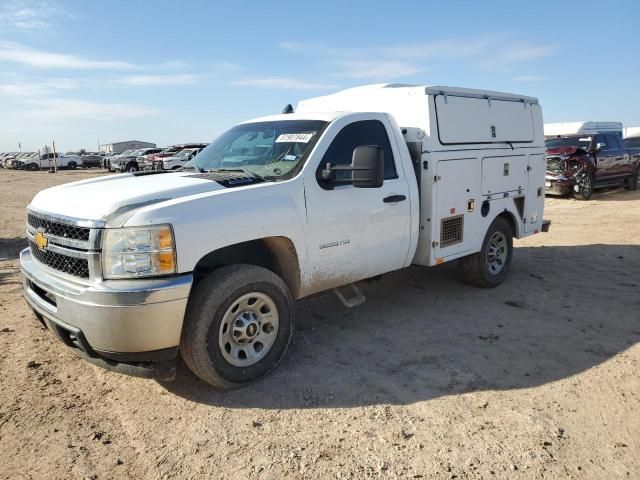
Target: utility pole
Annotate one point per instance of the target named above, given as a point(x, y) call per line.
point(46, 155)
point(55, 160)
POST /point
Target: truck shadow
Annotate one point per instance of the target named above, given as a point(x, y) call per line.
point(423, 334)
point(609, 194)
point(10, 247)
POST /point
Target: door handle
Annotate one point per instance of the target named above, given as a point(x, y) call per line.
point(394, 198)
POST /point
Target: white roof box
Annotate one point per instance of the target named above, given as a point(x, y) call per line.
point(457, 116)
point(587, 128)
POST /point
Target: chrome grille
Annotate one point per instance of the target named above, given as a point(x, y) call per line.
point(554, 164)
point(70, 246)
point(58, 229)
point(78, 267)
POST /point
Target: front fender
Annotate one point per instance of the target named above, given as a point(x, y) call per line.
point(210, 221)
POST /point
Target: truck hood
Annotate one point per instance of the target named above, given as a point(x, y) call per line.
point(114, 198)
point(563, 150)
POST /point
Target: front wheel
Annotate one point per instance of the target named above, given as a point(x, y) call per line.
point(72, 165)
point(490, 265)
point(583, 189)
point(132, 167)
point(32, 167)
point(238, 325)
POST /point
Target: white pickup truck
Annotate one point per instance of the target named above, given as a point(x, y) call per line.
point(131, 269)
point(48, 160)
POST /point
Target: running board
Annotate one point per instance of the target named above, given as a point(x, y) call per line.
point(354, 299)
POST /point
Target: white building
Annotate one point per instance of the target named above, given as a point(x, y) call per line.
point(631, 132)
point(119, 147)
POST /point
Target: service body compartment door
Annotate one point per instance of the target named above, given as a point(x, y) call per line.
point(464, 120)
point(504, 174)
point(458, 202)
point(534, 202)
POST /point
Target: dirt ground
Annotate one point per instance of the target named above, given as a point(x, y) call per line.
point(430, 378)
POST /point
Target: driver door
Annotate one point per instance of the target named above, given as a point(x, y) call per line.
point(604, 158)
point(355, 233)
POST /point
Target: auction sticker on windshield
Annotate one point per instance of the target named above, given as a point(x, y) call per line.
point(295, 137)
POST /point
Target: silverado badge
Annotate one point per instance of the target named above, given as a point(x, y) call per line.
point(40, 240)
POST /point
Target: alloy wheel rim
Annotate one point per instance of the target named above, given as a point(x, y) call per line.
point(497, 253)
point(248, 329)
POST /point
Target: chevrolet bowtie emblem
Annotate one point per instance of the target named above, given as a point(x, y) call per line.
point(40, 240)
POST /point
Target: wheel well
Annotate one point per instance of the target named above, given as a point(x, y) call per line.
point(277, 254)
point(511, 219)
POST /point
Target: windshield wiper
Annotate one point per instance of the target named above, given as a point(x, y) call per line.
point(242, 170)
point(194, 168)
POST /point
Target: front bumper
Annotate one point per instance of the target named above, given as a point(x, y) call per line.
point(559, 184)
point(132, 326)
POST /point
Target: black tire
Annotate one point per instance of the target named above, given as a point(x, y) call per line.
point(211, 298)
point(585, 187)
point(32, 167)
point(72, 165)
point(131, 167)
point(476, 269)
point(632, 182)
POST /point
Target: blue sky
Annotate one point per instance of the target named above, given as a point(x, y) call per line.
point(83, 72)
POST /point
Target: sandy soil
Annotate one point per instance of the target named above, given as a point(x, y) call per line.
point(428, 379)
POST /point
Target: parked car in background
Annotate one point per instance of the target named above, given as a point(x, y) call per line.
point(632, 142)
point(115, 159)
point(130, 163)
point(47, 160)
point(176, 161)
point(112, 159)
point(10, 162)
point(578, 164)
point(144, 162)
point(172, 150)
point(91, 160)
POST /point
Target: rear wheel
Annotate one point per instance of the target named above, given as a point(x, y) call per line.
point(238, 325)
point(633, 181)
point(490, 265)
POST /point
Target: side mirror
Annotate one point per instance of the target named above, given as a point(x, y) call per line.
point(600, 146)
point(368, 166)
point(367, 169)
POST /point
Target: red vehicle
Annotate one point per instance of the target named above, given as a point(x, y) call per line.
point(578, 164)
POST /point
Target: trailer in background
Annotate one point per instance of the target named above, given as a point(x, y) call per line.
point(582, 128)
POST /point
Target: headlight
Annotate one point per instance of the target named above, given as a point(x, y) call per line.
point(138, 252)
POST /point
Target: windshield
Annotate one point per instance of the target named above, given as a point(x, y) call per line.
point(183, 153)
point(267, 149)
point(579, 142)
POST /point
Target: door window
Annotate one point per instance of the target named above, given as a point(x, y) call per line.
point(366, 132)
point(632, 142)
point(612, 141)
